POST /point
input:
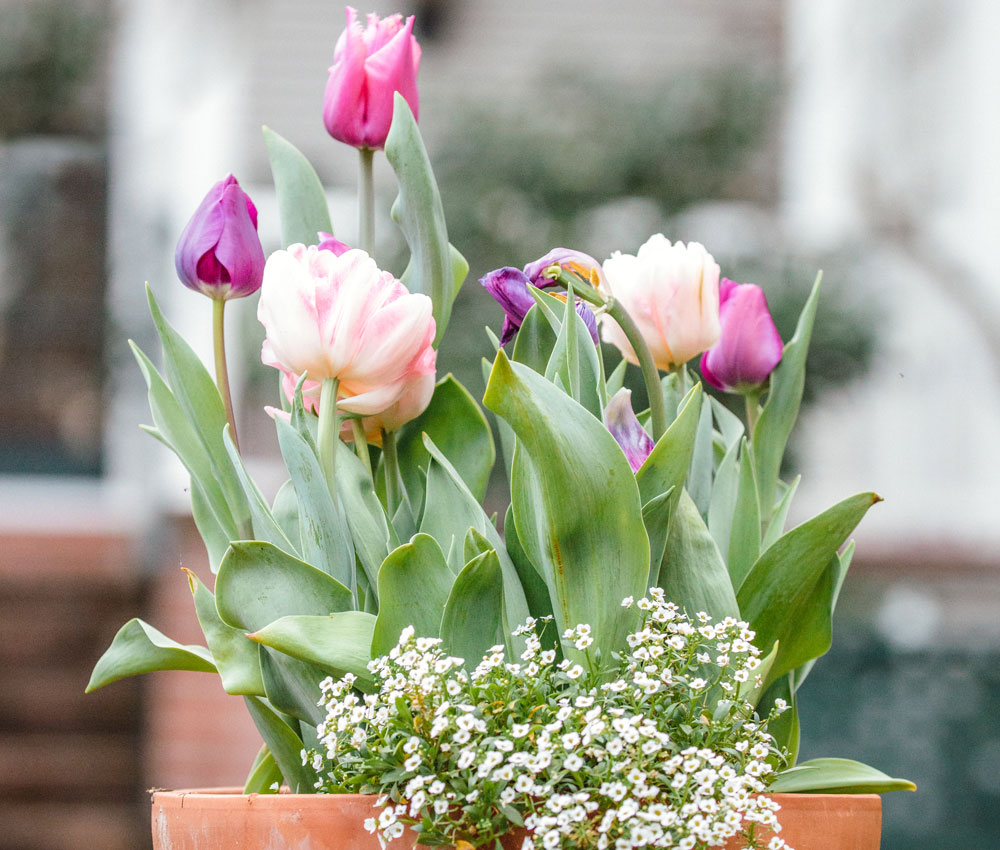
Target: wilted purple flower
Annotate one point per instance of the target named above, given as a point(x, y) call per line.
point(582, 265)
point(621, 421)
point(509, 287)
point(749, 346)
point(219, 252)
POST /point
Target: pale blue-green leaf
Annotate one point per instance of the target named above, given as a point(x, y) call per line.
point(730, 425)
point(285, 510)
point(551, 308)
point(744, 540)
point(413, 587)
point(656, 517)
point(215, 538)
point(692, 572)
point(534, 341)
point(472, 622)
point(258, 583)
point(326, 540)
point(786, 596)
point(291, 686)
point(832, 582)
point(616, 380)
point(285, 745)
point(776, 526)
point(699, 480)
point(475, 544)
point(836, 776)
point(572, 539)
point(139, 648)
point(371, 531)
point(574, 359)
point(265, 776)
point(302, 207)
point(723, 502)
point(418, 212)
point(777, 418)
point(234, 654)
point(536, 592)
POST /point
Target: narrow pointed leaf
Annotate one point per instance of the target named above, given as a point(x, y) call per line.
point(264, 775)
point(302, 206)
point(785, 728)
point(370, 529)
point(836, 776)
point(656, 517)
point(776, 525)
point(536, 592)
point(574, 359)
point(723, 502)
point(699, 480)
point(284, 744)
point(744, 540)
point(535, 341)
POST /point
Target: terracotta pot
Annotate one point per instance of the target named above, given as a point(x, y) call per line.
point(225, 819)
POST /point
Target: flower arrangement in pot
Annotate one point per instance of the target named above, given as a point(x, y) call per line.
point(615, 661)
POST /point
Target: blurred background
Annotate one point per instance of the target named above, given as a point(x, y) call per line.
point(785, 135)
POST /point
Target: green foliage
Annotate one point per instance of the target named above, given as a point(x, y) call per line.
point(837, 776)
point(302, 207)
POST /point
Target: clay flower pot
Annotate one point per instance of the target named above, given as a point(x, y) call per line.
point(225, 819)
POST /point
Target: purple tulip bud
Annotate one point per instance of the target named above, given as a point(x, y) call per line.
point(589, 319)
point(749, 346)
point(582, 265)
point(328, 242)
point(509, 286)
point(219, 252)
point(620, 420)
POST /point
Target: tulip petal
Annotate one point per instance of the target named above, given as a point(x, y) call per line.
point(749, 347)
point(239, 250)
point(621, 421)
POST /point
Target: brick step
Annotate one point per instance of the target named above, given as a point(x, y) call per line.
point(72, 826)
point(67, 767)
point(37, 697)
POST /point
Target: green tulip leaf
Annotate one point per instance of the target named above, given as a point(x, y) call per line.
point(473, 615)
point(302, 206)
point(730, 425)
point(291, 685)
point(831, 583)
point(576, 504)
point(413, 587)
point(656, 515)
point(777, 418)
point(435, 268)
point(265, 775)
point(692, 572)
point(285, 510)
point(215, 538)
point(285, 745)
point(258, 583)
point(139, 648)
point(787, 594)
point(744, 538)
point(337, 643)
point(458, 427)
point(776, 526)
point(667, 464)
point(722, 505)
point(574, 359)
point(535, 341)
point(235, 656)
point(785, 727)
point(836, 776)
point(616, 380)
point(699, 479)
point(536, 592)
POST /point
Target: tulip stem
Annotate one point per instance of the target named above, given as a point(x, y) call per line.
point(390, 463)
point(366, 200)
point(328, 432)
point(650, 374)
point(361, 445)
point(753, 411)
point(221, 370)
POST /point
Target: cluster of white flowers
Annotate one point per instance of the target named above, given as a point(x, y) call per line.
point(659, 751)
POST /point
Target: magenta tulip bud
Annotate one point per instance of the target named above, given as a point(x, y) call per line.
point(369, 67)
point(749, 346)
point(219, 252)
point(621, 421)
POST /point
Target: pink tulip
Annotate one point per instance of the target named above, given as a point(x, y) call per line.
point(369, 66)
point(341, 317)
point(672, 294)
point(750, 346)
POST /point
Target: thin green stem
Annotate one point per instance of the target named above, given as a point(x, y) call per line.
point(753, 411)
point(390, 463)
point(366, 200)
point(328, 433)
point(650, 374)
point(361, 445)
point(221, 370)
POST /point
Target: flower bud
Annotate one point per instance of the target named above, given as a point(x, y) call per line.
point(749, 347)
point(219, 252)
point(621, 421)
point(369, 67)
point(672, 294)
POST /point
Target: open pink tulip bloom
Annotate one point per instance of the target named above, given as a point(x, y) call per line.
point(749, 347)
point(219, 252)
point(329, 316)
point(369, 66)
point(671, 291)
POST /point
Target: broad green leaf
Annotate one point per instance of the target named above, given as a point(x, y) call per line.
point(475, 544)
point(337, 643)
point(692, 572)
point(699, 480)
point(534, 341)
point(264, 775)
point(785, 596)
point(656, 518)
point(458, 427)
point(285, 745)
point(291, 686)
point(265, 527)
point(234, 654)
point(372, 533)
point(460, 511)
point(723, 502)
point(576, 504)
point(744, 539)
point(831, 583)
point(302, 205)
point(258, 583)
point(776, 526)
point(574, 359)
point(473, 615)
point(326, 540)
point(536, 592)
point(413, 587)
point(285, 510)
point(836, 776)
point(668, 462)
point(139, 648)
point(196, 394)
point(433, 266)
point(214, 536)
point(777, 418)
